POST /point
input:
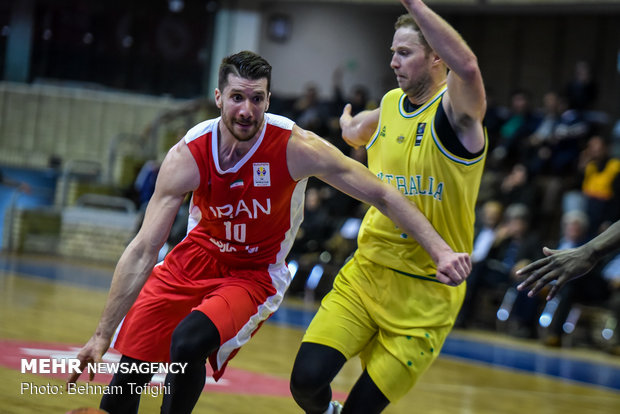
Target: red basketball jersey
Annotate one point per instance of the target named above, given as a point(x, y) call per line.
point(249, 213)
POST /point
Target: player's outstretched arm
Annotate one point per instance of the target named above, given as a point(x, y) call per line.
point(465, 102)
point(566, 265)
point(178, 175)
point(310, 155)
point(357, 130)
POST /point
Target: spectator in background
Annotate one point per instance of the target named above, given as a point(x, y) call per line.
point(484, 237)
point(582, 90)
point(359, 101)
point(513, 244)
point(521, 123)
point(516, 243)
point(144, 185)
point(494, 118)
point(600, 185)
point(316, 227)
point(358, 98)
point(309, 112)
point(516, 188)
point(539, 144)
point(480, 277)
point(569, 137)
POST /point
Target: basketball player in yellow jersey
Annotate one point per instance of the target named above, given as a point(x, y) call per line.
point(391, 304)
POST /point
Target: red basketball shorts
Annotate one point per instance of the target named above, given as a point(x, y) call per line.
point(238, 301)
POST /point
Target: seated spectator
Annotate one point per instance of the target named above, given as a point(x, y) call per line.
point(553, 148)
point(144, 183)
point(316, 227)
point(521, 123)
point(495, 116)
point(358, 98)
point(309, 112)
point(600, 185)
point(311, 240)
point(516, 188)
point(581, 90)
point(484, 237)
point(515, 244)
point(539, 144)
point(569, 137)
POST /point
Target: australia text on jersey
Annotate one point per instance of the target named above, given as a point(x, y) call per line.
point(414, 185)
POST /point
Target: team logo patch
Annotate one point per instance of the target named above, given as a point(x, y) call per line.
point(400, 139)
point(419, 133)
point(262, 178)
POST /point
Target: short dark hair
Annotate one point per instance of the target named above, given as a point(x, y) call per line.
point(406, 20)
point(245, 64)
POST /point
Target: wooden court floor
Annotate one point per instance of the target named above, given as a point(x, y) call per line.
point(49, 306)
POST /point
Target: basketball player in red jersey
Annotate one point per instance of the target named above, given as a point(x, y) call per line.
point(247, 170)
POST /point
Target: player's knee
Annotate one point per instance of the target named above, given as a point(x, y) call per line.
point(194, 339)
point(307, 378)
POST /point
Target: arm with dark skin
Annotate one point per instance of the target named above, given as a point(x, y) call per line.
point(566, 265)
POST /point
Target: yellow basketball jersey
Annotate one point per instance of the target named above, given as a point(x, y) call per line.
point(599, 184)
point(406, 152)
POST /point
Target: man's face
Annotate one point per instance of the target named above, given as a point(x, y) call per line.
point(410, 61)
point(243, 104)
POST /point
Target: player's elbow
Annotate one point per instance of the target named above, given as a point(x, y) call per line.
point(469, 71)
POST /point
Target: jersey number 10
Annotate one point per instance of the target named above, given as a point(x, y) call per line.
point(236, 232)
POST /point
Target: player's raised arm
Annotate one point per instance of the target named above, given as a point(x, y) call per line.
point(310, 155)
point(465, 102)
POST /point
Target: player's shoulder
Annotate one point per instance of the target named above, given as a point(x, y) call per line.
point(279, 121)
point(201, 129)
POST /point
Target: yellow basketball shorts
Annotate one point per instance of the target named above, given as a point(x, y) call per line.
point(396, 323)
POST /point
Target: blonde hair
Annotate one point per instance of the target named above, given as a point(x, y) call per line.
point(406, 20)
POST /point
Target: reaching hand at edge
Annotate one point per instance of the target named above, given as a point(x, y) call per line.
point(566, 265)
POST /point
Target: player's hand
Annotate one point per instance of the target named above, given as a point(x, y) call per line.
point(92, 352)
point(559, 265)
point(453, 268)
point(345, 123)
